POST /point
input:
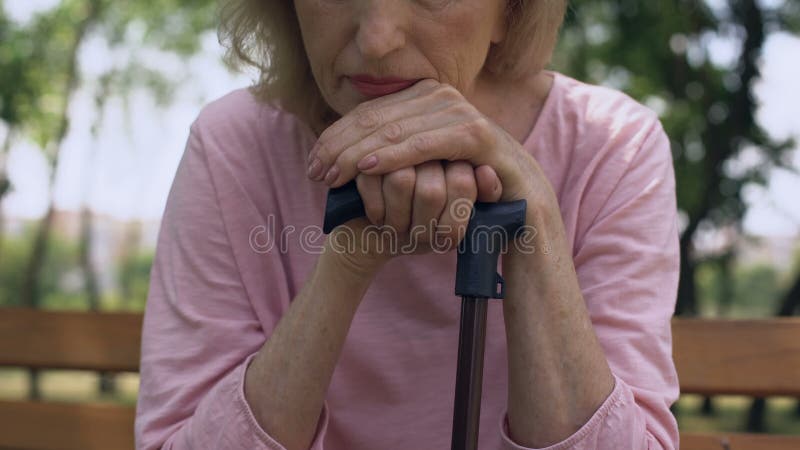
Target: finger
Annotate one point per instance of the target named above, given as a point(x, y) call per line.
point(461, 194)
point(389, 134)
point(370, 189)
point(430, 197)
point(419, 88)
point(398, 193)
point(489, 186)
point(368, 117)
point(349, 120)
point(374, 128)
point(471, 140)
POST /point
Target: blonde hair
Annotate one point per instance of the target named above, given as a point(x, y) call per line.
point(265, 34)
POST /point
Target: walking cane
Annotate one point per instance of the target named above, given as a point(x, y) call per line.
point(477, 280)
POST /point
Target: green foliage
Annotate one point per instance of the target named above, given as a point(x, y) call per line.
point(755, 291)
point(134, 279)
point(170, 25)
point(37, 59)
point(658, 52)
point(655, 51)
point(61, 281)
point(59, 284)
point(40, 72)
point(5, 185)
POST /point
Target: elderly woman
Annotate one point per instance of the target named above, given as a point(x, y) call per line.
point(261, 335)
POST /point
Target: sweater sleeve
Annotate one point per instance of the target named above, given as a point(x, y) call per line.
point(627, 264)
point(200, 330)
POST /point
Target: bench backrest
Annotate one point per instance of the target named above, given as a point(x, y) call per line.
point(68, 340)
point(748, 357)
point(743, 357)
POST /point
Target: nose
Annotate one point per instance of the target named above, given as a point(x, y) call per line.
point(381, 27)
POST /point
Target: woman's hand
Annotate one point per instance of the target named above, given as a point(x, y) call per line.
point(416, 209)
point(426, 122)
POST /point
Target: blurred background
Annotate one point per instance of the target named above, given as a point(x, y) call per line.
point(96, 99)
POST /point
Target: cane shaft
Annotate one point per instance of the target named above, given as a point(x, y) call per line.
point(469, 373)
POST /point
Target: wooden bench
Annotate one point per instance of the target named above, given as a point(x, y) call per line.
point(748, 357)
point(68, 340)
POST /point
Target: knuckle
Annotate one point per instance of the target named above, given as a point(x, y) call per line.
point(431, 192)
point(479, 129)
point(393, 132)
point(427, 83)
point(447, 92)
point(440, 95)
point(401, 180)
point(461, 109)
point(347, 160)
point(420, 143)
point(369, 118)
point(462, 186)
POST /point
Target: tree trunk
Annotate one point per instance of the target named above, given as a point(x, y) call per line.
point(5, 183)
point(725, 300)
point(755, 418)
point(129, 253)
point(791, 300)
point(788, 305)
point(106, 382)
point(89, 273)
point(30, 289)
point(687, 289)
point(707, 408)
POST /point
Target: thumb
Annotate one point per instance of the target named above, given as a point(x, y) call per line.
point(489, 186)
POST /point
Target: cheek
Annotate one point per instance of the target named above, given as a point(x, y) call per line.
point(318, 26)
point(467, 34)
point(459, 56)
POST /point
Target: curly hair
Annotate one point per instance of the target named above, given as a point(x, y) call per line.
point(266, 35)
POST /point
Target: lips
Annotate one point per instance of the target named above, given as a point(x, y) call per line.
point(375, 87)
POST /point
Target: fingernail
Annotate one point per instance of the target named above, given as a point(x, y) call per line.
point(330, 177)
point(315, 168)
point(368, 163)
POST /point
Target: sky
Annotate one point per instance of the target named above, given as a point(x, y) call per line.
point(127, 170)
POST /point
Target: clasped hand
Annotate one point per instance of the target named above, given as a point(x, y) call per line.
point(419, 156)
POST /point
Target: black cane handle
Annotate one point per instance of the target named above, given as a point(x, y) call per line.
point(344, 203)
point(491, 227)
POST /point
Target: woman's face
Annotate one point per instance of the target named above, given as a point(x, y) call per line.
point(447, 40)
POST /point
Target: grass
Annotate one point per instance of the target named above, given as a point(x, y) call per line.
point(730, 414)
point(68, 386)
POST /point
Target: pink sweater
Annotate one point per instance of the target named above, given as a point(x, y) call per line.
point(241, 232)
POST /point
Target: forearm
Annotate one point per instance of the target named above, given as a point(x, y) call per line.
point(287, 380)
point(558, 373)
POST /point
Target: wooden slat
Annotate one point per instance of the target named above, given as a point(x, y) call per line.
point(70, 340)
point(65, 426)
point(738, 441)
point(748, 357)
